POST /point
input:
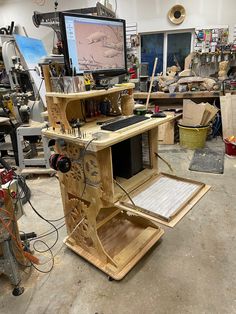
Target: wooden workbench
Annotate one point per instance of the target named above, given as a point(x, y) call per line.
point(101, 229)
point(98, 228)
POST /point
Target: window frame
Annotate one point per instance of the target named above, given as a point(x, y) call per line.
point(165, 42)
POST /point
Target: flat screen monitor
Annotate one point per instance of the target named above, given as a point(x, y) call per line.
point(93, 44)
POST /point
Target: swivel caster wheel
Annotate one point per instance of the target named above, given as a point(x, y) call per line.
point(110, 278)
point(18, 291)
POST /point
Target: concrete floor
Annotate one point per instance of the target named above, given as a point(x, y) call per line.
point(192, 270)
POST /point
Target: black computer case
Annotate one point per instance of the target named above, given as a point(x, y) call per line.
point(127, 157)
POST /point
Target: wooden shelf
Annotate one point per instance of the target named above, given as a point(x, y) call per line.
point(92, 93)
point(159, 95)
point(126, 239)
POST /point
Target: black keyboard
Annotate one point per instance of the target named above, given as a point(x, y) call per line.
point(123, 123)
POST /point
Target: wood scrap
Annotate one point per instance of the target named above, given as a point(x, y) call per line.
point(193, 79)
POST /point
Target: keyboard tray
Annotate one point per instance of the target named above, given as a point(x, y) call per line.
point(120, 124)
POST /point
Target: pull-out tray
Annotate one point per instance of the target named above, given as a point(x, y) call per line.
point(164, 198)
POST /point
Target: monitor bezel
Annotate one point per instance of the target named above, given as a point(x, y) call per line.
point(101, 72)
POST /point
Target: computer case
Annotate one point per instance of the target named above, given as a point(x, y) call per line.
point(127, 157)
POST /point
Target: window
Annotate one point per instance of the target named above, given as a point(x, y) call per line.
point(167, 47)
point(152, 47)
point(178, 46)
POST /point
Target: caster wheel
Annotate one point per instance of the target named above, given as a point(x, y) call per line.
point(18, 291)
point(110, 278)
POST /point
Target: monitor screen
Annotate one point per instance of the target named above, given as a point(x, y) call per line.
point(95, 44)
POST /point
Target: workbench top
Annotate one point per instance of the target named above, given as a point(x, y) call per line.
point(106, 138)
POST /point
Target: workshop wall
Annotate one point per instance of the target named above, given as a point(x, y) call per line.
point(151, 15)
point(21, 12)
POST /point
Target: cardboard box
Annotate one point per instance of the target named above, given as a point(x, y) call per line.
point(209, 114)
point(192, 113)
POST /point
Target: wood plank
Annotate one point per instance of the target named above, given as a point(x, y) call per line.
point(10, 208)
point(37, 170)
point(135, 247)
point(108, 217)
point(187, 95)
point(188, 61)
point(228, 114)
point(93, 93)
point(166, 133)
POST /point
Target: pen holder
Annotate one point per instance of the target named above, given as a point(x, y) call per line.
point(127, 105)
point(68, 84)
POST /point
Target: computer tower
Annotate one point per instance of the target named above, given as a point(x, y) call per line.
point(127, 157)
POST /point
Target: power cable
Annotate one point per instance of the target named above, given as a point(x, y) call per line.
point(47, 233)
point(49, 222)
point(49, 249)
point(124, 190)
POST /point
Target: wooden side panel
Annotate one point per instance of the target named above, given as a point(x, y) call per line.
point(228, 114)
point(153, 147)
point(104, 159)
point(47, 80)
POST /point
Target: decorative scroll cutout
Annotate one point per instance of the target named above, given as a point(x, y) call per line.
point(91, 169)
point(78, 212)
